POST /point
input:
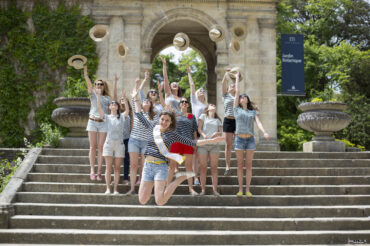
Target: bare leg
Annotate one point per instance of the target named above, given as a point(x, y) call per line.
point(140, 168)
point(171, 170)
point(195, 164)
point(108, 172)
point(203, 158)
point(145, 191)
point(134, 159)
point(228, 145)
point(248, 164)
point(117, 165)
point(92, 153)
point(240, 157)
point(163, 192)
point(214, 165)
point(189, 168)
point(101, 140)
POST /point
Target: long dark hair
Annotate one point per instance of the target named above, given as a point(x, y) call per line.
point(151, 110)
point(172, 115)
point(250, 105)
point(118, 109)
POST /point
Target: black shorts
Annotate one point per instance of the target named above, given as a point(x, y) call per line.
point(229, 125)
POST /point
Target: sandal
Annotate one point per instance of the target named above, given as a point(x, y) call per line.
point(239, 194)
point(248, 194)
point(99, 178)
point(130, 193)
point(215, 193)
point(193, 193)
point(202, 193)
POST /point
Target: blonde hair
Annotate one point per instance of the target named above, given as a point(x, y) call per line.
point(197, 95)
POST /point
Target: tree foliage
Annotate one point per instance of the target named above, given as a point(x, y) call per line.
point(336, 58)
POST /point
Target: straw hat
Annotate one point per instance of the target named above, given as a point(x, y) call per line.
point(217, 33)
point(122, 50)
point(231, 75)
point(77, 61)
point(99, 32)
point(181, 41)
point(235, 46)
point(239, 32)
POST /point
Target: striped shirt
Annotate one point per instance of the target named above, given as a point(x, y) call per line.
point(169, 138)
point(185, 126)
point(228, 104)
point(140, 131)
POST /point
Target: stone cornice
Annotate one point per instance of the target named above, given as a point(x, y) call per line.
point(131, 15)
point(267, 22)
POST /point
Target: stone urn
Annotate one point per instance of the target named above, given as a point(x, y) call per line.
point(323, 118)
point(72, 113)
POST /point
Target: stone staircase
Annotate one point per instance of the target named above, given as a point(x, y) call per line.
point(299, 198)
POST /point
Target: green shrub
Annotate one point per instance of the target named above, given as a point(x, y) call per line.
point(8, 169)
point(291, 136)
point(75, 88)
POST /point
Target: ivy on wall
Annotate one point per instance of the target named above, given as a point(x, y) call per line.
point(34, 48)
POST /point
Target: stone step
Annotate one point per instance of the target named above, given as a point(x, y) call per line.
point(257, 155)
point(173, 237)
point(222, 180)
point(257, 171)
point(229, 200)
point(187, 223)
point(67, 209)
point(223, 189)
point(257, 162)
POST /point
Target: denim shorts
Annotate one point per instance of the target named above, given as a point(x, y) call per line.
point(94, 126)
point(137, 146)
point(152, 171)
point(244, 143)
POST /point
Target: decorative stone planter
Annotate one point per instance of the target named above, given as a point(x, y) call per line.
point(73, 113)
point(323, 118)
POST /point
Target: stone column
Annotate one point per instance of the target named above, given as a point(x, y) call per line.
point(268, 102)
point(102, 50)
point(132, 34)
point(222, 64)
point(116, 29)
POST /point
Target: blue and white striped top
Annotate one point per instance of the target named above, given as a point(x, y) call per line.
point(228, 104)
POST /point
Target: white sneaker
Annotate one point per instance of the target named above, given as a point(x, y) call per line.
point(187, 174)
point(116, 193)
point(107, 192)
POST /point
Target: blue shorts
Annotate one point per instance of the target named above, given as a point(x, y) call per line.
point(137, 146)
point(152, 172)
point(244, 143)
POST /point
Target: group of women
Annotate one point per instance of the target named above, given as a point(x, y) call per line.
point(158, 133)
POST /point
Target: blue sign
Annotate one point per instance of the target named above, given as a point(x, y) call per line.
point(292, 65)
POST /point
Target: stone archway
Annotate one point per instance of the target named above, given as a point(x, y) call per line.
point(196, 25)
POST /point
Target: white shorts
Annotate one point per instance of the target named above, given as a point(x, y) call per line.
point(114, 148)
point(94, 126)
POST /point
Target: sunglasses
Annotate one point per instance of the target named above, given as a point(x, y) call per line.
point(99, 84)
point(244, 95)
point(153, 92)
point(184, 101)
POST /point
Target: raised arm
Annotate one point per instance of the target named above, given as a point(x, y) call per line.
point(237, 91)
point(101, 112)
point(167, 89)
point(161, 99)
point(146, 78)
point(88, 81)
point(259, 124)
point(224, 84)
point(116, 78)
point(127, 108)
point(135, 97)
point(191, 82)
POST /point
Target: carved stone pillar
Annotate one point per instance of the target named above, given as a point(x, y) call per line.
point(268, 102)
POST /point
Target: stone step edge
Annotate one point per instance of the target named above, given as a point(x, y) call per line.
point(191, 219)
point(178, 232)
point(225, 196)
point(74, 205)
point(210, 185)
